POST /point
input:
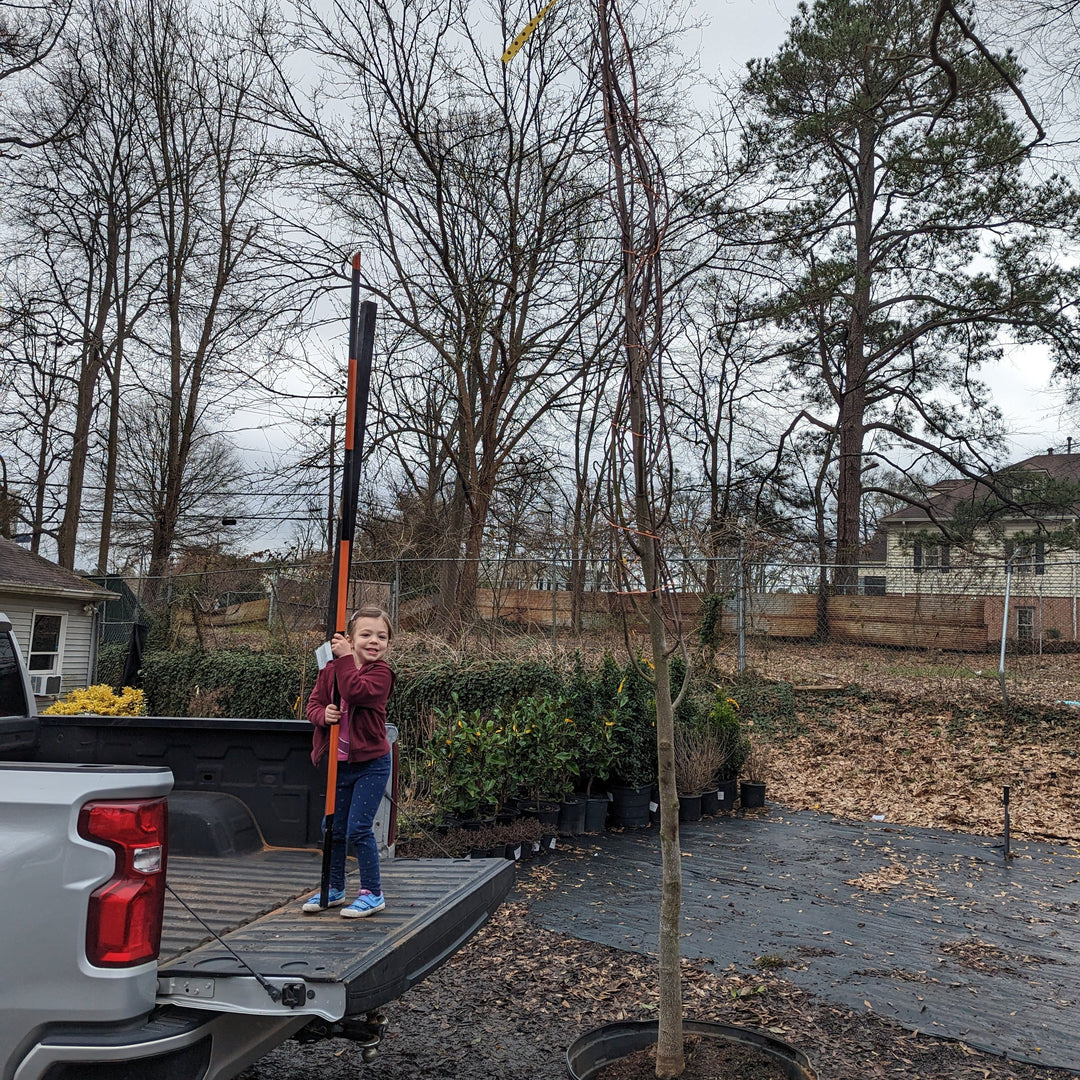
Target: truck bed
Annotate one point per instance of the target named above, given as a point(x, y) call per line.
point(253, 902)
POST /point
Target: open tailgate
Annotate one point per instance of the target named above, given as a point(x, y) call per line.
point(331, 965)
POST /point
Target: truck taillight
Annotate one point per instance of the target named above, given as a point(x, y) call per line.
point(123, 924)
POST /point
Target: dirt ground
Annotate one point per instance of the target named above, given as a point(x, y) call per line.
point(506, 1007)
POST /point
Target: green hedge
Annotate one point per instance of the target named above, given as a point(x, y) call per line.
point(246, 683)
point(110, 664)
point(224, 683)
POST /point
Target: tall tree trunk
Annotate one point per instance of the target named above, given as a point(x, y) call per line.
point(853, 400)
point(639, 198)
point(93, 362)
point(670, 1061)
point(109, 495)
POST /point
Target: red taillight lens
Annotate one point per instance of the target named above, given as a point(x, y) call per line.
point(123, 924)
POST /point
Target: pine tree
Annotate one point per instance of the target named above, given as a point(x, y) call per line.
point(912, 233)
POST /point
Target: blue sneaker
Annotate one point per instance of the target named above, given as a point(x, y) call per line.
point(367, 903)
point(313, 906)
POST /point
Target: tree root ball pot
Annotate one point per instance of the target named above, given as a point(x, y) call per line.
point(598, 1048)
point(596, 811)
point(689, 807)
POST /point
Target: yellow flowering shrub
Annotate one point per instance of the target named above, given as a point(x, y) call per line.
point(100, 700)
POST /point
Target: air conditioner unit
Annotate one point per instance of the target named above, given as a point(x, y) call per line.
point(45, 685)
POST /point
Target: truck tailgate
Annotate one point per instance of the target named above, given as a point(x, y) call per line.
point(253, 902)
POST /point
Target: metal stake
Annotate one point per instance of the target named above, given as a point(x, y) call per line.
point(1005, 798)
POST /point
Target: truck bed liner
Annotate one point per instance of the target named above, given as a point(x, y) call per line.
point(432, 907)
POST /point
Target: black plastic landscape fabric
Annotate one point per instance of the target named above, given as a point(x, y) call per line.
point(932, 929)
point(133, 661)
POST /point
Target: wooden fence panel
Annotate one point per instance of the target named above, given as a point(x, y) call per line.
point(942, 622)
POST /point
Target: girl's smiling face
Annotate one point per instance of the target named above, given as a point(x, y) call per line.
point(370, 639)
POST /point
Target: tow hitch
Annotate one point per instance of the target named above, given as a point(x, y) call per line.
point(367, 1033)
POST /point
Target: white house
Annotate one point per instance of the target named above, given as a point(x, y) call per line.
point(54, 615)
point(1045, 579)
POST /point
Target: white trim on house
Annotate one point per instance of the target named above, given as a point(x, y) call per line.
point(57, 667)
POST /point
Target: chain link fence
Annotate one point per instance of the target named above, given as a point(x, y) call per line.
point(923, 630)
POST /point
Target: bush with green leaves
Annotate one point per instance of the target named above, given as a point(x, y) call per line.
point(110, 664)
point(242, 682)
point(771, 705)
point(545, 758)
point(424, 685)
point(468, 759)
point(626, 690)
point(724, 720)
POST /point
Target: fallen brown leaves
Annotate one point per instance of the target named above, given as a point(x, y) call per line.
point(532, 992)
point(932, 766)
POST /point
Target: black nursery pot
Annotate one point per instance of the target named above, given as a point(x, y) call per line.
point(689, 807)
point(751, 794)
point(630, 806)
point(596, 810)
point(727, 792)
point(572, 817)
point(598, 1048)
point(710, 803)
point(546, 812)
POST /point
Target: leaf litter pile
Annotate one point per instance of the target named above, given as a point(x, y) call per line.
point(940, 765)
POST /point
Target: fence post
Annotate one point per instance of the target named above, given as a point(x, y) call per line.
point(395, 592)
point(554, 605)
point(274, 581)
point(1004, 630)
point(741, 608)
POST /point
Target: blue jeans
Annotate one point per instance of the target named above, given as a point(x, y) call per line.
point(360, 787)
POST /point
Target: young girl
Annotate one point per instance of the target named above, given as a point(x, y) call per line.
point(364, 682)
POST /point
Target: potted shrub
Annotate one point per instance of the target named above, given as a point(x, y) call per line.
point(542, 754)
point(633, 768)
point(467, 759)
point(752, 789)
point(598, 747)
point(723, 719)
point(697, 759)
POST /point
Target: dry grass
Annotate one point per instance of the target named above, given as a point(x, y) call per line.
point(919, 675)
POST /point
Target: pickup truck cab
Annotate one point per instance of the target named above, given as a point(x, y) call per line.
point(152, 871)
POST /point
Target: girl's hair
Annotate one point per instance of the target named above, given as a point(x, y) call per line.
point(370, 611)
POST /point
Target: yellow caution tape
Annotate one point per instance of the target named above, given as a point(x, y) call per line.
point(512, 48)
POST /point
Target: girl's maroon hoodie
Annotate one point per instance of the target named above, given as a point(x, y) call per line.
point(364, 693)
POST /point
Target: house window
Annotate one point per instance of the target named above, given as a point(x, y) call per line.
point(930, 557)
point(46, 641)
point(1025, 625)
point(1028, 557)
point(873, 586)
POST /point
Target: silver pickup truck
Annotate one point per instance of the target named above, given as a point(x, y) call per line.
point(151, 875)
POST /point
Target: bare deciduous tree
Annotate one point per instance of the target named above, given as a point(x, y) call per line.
point(472, 190)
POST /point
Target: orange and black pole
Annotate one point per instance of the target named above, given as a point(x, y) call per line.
point(361, 348)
